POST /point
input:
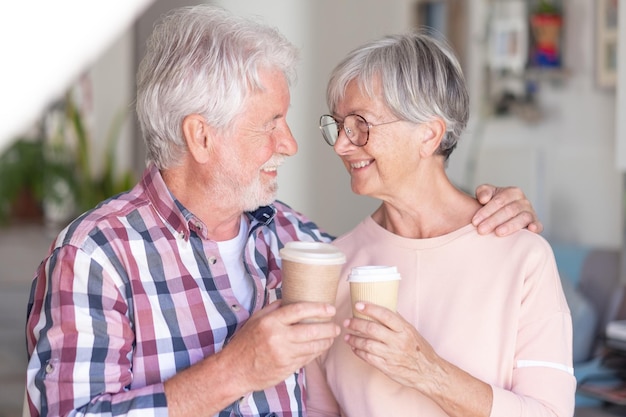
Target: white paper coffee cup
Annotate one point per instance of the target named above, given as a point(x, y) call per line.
point(374, 284)
point(311, 272)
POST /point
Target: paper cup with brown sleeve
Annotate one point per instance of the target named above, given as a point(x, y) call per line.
point(311, 272)
point(374, 284)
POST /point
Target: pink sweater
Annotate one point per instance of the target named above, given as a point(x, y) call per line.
point(492, 306)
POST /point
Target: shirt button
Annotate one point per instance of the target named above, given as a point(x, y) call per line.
point(181, 235)
point(212, 260)
point(235, 307)
point(49, 368)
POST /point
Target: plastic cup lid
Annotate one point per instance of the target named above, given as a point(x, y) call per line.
point(369, 273)
point(318, 253)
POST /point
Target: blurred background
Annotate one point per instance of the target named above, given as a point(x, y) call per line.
point(544, 79)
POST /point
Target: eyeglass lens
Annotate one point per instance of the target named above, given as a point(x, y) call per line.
point(354, 126)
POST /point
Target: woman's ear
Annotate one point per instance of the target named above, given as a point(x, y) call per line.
point(431, 135)
point(198, 137)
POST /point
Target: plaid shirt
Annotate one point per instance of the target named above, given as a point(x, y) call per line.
point(134, 292)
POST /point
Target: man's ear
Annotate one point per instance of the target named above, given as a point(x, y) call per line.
point(198, 135)
point(431, 135)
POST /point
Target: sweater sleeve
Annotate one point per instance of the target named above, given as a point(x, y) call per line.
point(543, 383)
point(555, 388)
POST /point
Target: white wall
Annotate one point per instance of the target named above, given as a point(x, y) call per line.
point(565, 162)
point(114, 68)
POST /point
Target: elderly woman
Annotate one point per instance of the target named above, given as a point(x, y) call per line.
point(482, 327)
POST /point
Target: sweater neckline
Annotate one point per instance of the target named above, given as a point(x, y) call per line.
point(382, 233)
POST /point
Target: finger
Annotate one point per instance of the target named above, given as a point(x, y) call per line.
point(485, 192)
point(514, 215)
point(268, 308)
point(484, 214)
point(384, 320)
point(375, 352)
point(305, 311)
point(303, 353)
point(307, 350)
point(311, 332)
point(536, 226)
point(365, 347)
point(497, 198)
point(512, 225)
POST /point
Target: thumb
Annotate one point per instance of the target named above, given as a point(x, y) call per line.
point(485, 192)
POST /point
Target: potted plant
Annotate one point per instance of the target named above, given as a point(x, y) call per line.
point(27, 172)
point(52, 178)
point(94, 187)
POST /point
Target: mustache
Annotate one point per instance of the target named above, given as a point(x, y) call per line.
point(274, 162)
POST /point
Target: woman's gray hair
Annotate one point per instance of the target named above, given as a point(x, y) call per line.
point(420, 79)
point(202, 60)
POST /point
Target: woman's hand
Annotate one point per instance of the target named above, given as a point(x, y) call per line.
point(392, 345)
point(506, 210)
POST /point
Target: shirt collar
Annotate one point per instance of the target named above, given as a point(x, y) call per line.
point(164, 202)
point(263, 215)
point(178, 216)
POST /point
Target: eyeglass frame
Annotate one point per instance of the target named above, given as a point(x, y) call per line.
point(341, 126)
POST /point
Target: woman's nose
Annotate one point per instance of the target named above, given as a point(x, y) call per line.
point(342, 144)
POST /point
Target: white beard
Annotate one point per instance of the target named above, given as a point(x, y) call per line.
point(256, 195)
point(252, 195)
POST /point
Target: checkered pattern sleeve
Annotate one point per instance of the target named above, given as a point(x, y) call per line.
point(85, 340)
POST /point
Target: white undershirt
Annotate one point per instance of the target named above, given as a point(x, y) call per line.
point(231, 252)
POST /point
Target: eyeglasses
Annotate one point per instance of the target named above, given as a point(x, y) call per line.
point(356, 128)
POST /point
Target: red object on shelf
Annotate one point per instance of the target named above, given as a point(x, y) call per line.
point(546, 29)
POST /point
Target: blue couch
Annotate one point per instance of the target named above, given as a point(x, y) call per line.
point(591, 282)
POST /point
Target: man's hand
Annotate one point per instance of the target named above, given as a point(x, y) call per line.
point(274, 344)
point(271, 346)
point(506, 210)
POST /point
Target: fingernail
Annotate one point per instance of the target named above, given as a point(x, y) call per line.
point(359, 306)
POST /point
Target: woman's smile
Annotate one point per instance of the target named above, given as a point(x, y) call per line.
point(360, 164)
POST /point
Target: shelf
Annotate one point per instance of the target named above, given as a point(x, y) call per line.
point(546, 74)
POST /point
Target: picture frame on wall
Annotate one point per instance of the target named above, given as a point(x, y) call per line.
point(508, 36)
point(606, 43)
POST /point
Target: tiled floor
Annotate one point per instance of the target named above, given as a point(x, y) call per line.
point(21, 251)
